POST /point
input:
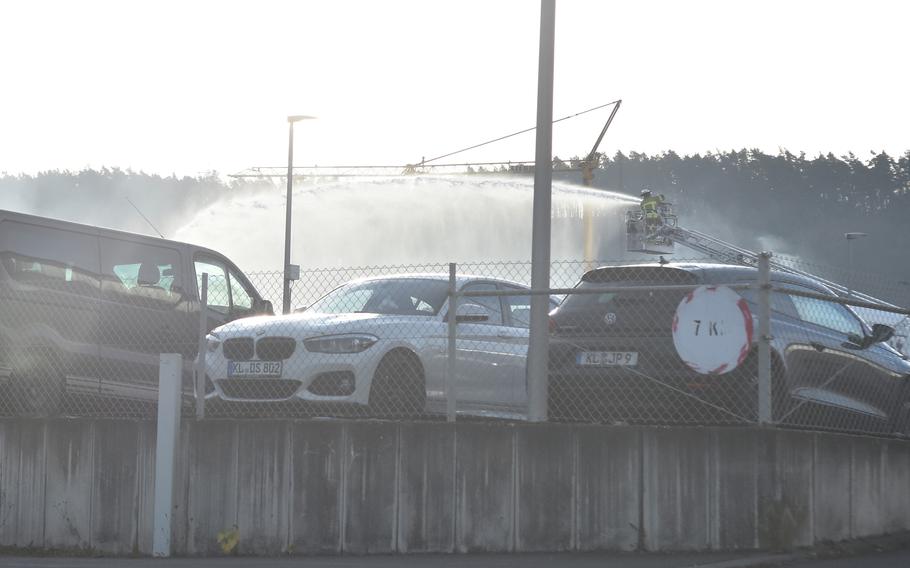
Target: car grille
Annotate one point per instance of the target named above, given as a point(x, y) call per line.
point(261, 389)
point(275, 348)
point(238, 348)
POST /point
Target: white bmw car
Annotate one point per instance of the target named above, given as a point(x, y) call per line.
point(381, 344)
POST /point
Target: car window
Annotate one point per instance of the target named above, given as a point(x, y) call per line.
point(492, 303)
point(218, 295)
point(240, 297)
point(140, 274)
point(398, 296)
point(780, 301)
point(50, 258)
point(519, 308)
point(827, 314)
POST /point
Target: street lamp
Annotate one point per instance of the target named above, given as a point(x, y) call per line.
point(286, 294)
point(850, 238)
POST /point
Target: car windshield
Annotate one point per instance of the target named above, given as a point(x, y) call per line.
point(406, 296)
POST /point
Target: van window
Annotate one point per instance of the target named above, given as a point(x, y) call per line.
point(218, 294)
point(226, 292)
point(240, 298)
point(50, 258)
point(140, 274)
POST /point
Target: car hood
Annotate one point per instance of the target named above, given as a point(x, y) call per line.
point(308, 325)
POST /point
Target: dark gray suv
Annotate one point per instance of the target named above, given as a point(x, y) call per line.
point(830, 369)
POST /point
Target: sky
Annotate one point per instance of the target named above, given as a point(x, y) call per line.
point(190, 87)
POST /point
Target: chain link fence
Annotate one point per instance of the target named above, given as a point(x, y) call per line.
point(629, 343)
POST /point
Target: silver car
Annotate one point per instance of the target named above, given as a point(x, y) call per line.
point(380, 344)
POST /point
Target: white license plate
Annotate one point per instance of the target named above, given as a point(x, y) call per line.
point(607, 358)
point(254, 368)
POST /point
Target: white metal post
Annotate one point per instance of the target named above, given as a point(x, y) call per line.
point(538, 344)
point(200, 358)
point(450, 355)
point(169, 386)
point(764, 339)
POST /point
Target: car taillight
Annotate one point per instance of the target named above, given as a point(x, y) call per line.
point(552, 325)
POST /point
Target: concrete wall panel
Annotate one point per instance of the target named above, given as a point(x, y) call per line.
point(115, 487)
point(733, 493)
point(68, 492)
point(10, 451)
point(213, 488)
point(426, 488)
point(868, 484)
point(545, 508)
point(676, 491)
point(317, 450)
point(608, 488)
point(263, 488)
point(785, 480)
point(897, 487)
point(145, 481)
point(832, 494)
point(31, 498)
point(484, 485)
point(370, 487)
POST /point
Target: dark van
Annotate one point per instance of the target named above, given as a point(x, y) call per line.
point(87, 311)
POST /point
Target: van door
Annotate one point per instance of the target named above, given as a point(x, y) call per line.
point(144, 309)
point(229, 295)
point(49, 294)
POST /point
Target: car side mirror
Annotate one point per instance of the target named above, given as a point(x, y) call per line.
point(300, 309)
point(471, 313)
point(880, 333)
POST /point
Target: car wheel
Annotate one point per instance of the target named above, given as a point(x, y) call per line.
point(398, 388)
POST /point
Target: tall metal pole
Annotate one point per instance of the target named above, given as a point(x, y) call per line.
point(765, 380)
point(286, 293)
point(538, 356)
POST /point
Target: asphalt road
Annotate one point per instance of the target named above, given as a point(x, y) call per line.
point(592, 560)
point(892, 559)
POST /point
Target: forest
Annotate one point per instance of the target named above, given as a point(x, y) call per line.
point(791, 204)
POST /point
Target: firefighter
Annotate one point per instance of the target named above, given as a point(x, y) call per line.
point(650, 210)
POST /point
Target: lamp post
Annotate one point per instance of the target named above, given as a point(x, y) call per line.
point(286, 294)
point(850, 238)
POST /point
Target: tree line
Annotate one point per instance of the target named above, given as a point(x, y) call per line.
point(788, 203)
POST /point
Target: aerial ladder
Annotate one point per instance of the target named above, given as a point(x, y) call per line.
point(661, 239)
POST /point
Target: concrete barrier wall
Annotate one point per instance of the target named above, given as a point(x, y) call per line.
point(267, 487)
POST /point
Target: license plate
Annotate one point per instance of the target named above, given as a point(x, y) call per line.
point(254, 368)
point(607, 358)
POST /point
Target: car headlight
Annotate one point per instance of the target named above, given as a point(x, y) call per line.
point(340, 343)
point(212, 342)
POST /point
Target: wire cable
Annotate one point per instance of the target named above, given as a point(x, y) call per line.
point(422, 162)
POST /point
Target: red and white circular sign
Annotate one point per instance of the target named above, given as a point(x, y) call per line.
point(712, 330)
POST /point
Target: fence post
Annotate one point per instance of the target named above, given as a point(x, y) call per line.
point(170, 372)
point(200, 358)
point(450, 355)
point(764, 339)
